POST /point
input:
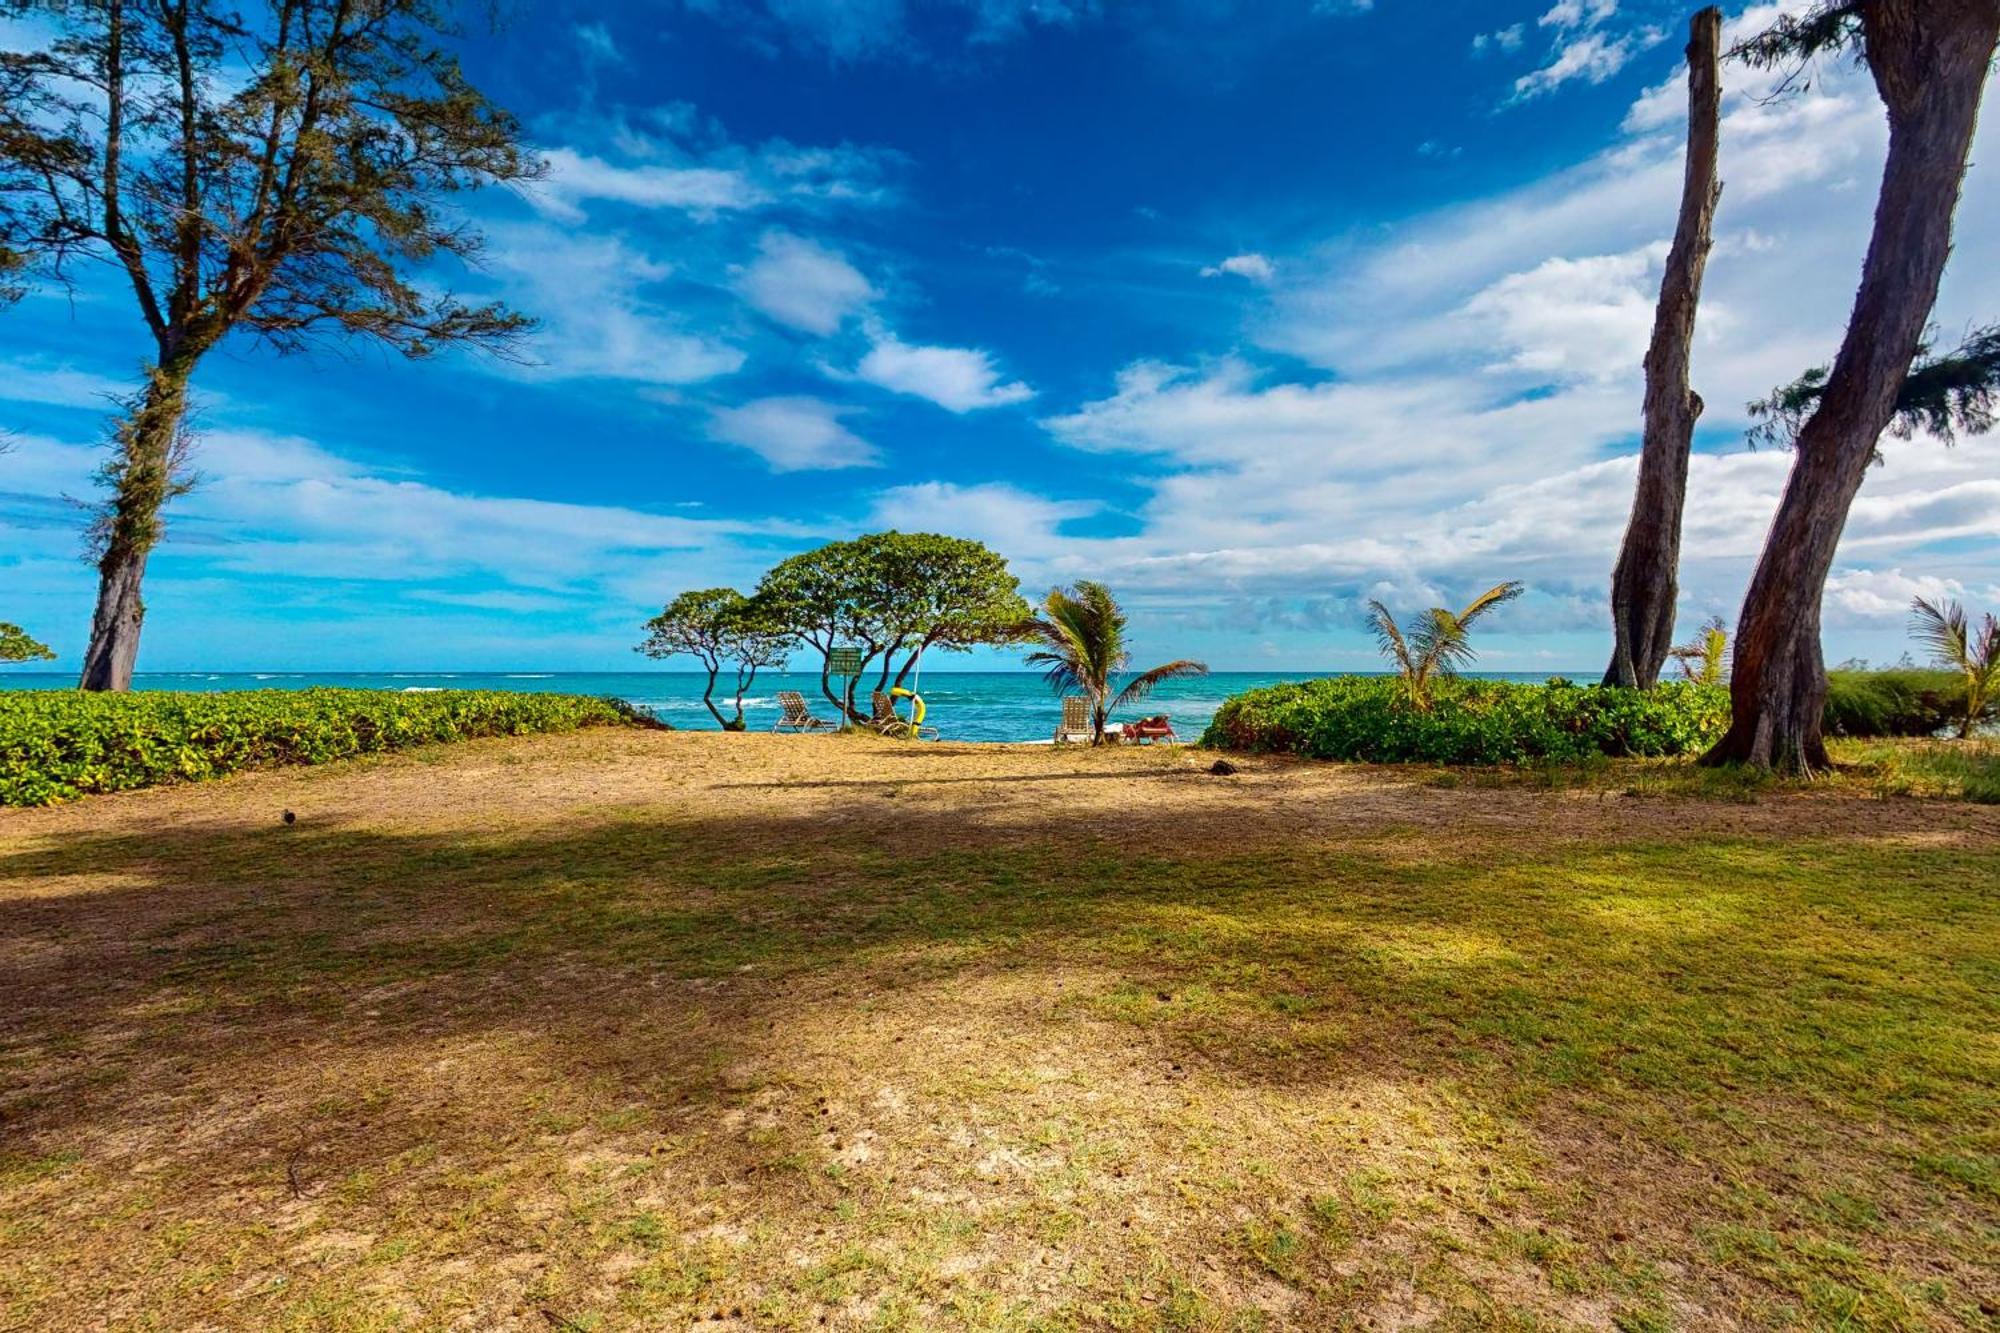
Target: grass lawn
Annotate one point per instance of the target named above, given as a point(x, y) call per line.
point(639, 1030)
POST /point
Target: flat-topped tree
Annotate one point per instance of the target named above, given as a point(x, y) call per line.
point(17, 645)
point(893, 596)
point(719, 627)
point(1930, 60)
point(277, 169)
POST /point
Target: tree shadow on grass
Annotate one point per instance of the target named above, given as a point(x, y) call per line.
point(239, 1001)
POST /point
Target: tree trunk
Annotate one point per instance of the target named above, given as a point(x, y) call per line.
point(708, 699)
point(1930, 60)
point(1645, 583)
point(142, 478)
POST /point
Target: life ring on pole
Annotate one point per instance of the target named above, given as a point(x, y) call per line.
point(916, 705)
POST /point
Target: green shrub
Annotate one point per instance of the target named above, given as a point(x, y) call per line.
point(1904, 701)
point(57, 745)
point(1470, 721)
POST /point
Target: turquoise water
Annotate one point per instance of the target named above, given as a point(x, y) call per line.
point(964, 705)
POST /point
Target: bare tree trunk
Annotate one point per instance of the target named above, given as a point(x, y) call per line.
point(1645, 582)
point(143, 478)
point(1930, 60)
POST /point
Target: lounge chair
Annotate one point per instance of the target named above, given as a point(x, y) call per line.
point(794, 716)
point(1075, 724)
point(1148, 729)
point(888, 722)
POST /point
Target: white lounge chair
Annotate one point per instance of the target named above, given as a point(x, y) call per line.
point(793, 715)
point(1075, 724)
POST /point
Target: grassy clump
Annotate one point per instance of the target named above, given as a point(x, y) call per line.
point(1953, 770)
point(57, 746)
point(1469, 721)
point(1902, 701)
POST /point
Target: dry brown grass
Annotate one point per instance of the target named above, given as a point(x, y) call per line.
point(634, 1030)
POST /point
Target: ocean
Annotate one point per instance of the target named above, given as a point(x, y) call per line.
point(963, 705)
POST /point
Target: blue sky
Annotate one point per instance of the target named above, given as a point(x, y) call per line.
point(1253, 310)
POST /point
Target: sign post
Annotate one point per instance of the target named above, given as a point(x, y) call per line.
point(845, 662)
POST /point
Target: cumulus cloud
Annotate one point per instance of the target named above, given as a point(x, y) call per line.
point(958, 379)
point(803, 284)
point(1256, 267)
point(794, 434)
point(1588, 317)
point(1477, 407)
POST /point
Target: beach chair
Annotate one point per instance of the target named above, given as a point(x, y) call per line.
point(1075, 724)
point(888, 722)
point(794, 716)
point(1149, 729)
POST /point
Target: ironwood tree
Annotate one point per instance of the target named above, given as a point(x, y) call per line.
point(1645, 583)
point(1929, 60)
point(277, 169)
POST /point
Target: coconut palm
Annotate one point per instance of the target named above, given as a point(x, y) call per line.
point(1439, 644)
point(1704, 659)
point(1081, 633)
point(1973, 651)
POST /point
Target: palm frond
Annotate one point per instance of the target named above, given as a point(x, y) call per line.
point(1943, 630)
point(1142, 684)
point(1496, 596)
point(1389, 636)
point(1442, 643)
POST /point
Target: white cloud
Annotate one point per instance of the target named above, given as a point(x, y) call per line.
point(1004, 517)
point(1566, 318)
point(1256, 267)
point(1886, 594)
point(594, 295)
point(651, 162)
point(1590, 56)
point(1480, 401)
point(1577, 13)
point(958, 379)
point(794, 434)
point(802, 284)
point(38, 379)
point(598, 43)
point(577, 178)
point(1505, 39)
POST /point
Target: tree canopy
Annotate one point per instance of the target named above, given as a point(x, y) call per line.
point(276, 167)
point(1944, 393)
point(719, 627)
point(273, 167)
point(17, 645)
point(893, 596)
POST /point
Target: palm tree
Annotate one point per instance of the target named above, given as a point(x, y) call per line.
point(1956, 643)
point(1439, 644)
point(1704, 659)
point(1082, 635)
